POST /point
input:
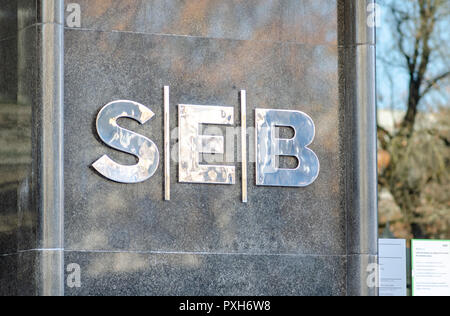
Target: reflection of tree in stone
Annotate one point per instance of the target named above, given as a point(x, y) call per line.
point(15, 162)
point(15, 143)
point(415, 157)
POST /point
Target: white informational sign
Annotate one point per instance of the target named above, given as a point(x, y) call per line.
point(430, 267)
point(392, 261)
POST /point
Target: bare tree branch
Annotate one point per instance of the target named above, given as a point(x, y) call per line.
point(419, 63)
point(433, 82)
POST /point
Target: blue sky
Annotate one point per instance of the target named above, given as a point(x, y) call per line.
point(392, 81)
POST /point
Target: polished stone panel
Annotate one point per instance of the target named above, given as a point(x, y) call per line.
point(8, 19)
point(20, 109)
point(21, 273)
point(15, 145)
point(314, 56)
point(207, 274)
point(307, 21)
point(28, 273)
point(27, 102)
point(358, 91)
point(8, 69)
point(26, 98)
point(11, 144)
point(354, 17)
point(199, 71)
point(27, 13)
point(16, 15)
point(8, 212)
point(363, 270)
point(357, 86)
point(8, 275)
point(312, 21)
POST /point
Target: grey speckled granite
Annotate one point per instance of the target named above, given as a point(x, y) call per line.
point(316, 56)
point(8, 275)
point(26, 273)
point(18, 102)
point(8, 68)
point(210, 275)
point(362, 271)
point(208, 242)
point(305, 21)
point(210, 218)
point(8, 19)
point(17, 215)
point(28, 168)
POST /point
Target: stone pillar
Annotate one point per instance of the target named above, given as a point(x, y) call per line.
point(33, 251)
point(357, 58)
point(67, 230)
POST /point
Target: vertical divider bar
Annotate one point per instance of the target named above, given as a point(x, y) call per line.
point(167, 142)
point(244, 144)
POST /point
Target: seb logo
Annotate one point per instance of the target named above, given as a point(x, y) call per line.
point(193, 143)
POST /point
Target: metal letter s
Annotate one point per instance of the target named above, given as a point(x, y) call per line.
point(126, 141)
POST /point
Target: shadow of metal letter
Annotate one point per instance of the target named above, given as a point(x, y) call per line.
point(126, 141)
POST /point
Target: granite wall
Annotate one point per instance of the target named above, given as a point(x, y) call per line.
point(316, 56)
point(31, 137)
